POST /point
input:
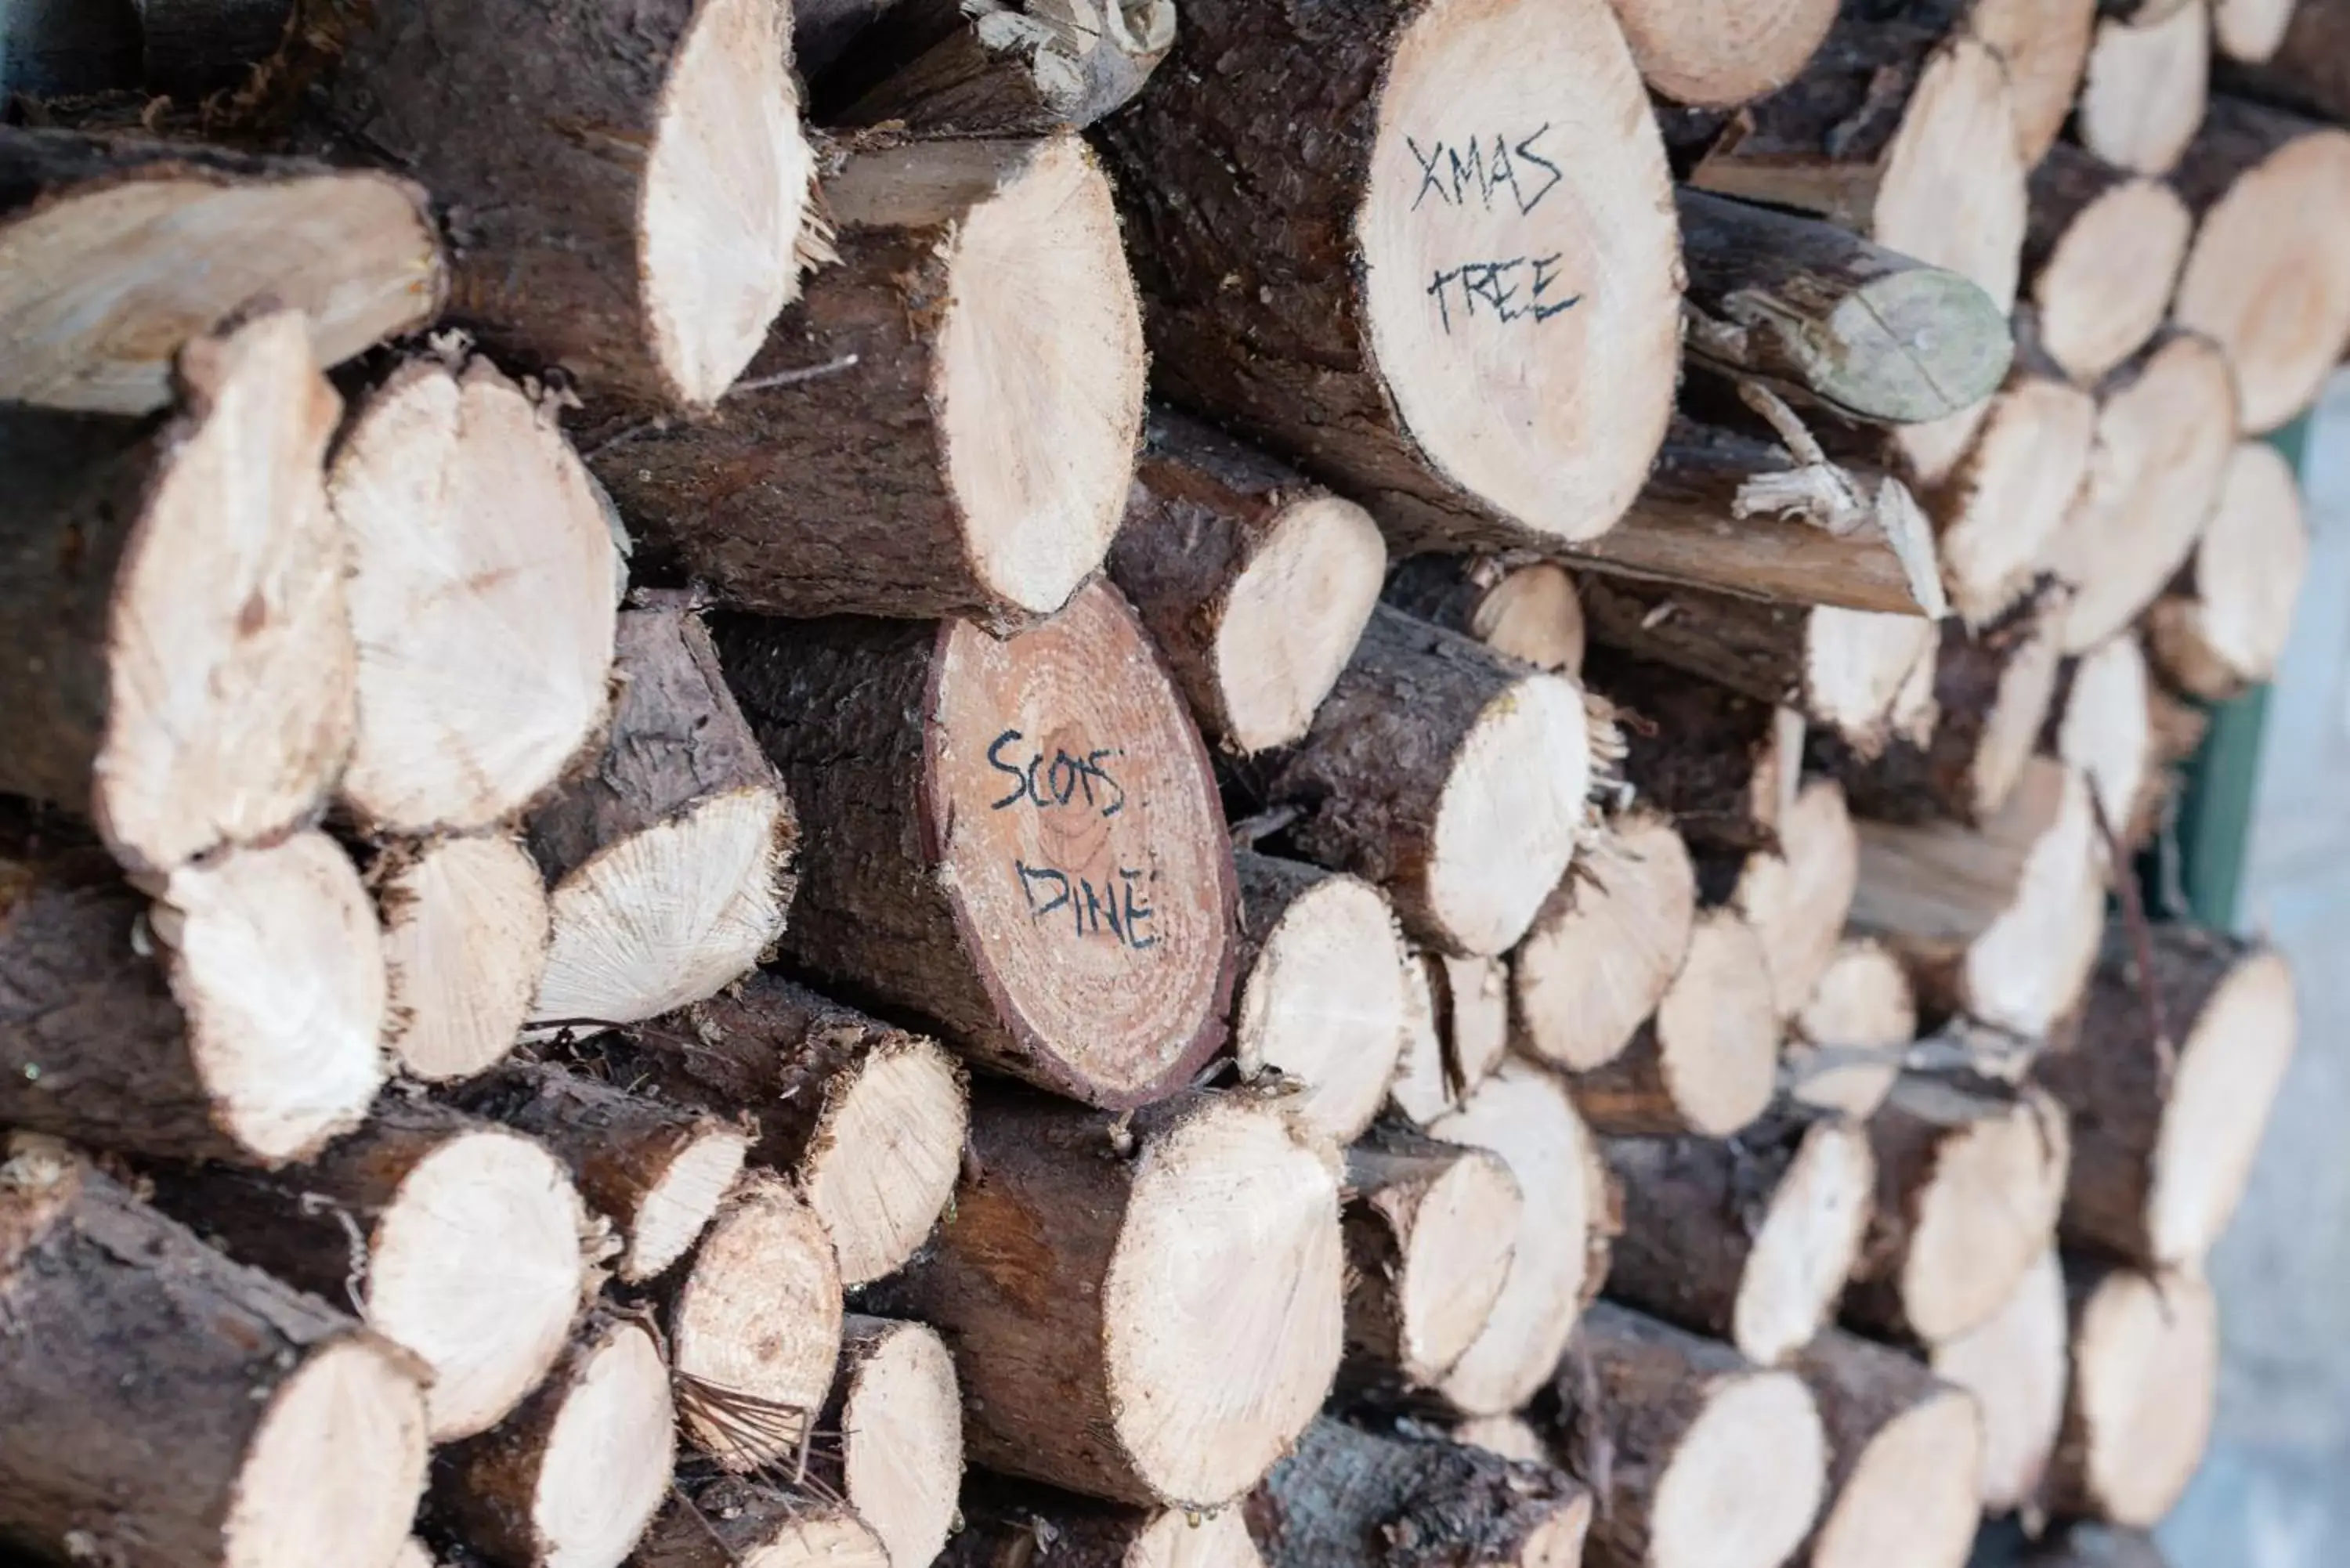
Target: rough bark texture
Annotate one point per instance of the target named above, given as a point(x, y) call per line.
point(142, 1368)
point(70, 47)
point(1351, 1498)
point(1715, 761)
point(1005, 1522)
point(1004, 67)
point(1865, 330)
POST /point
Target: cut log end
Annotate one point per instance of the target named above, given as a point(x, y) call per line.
point(1708, 1063)
point(1431, 1232)
point(668, 916)
point(679, 1203)
point(333, 1463)
point(1907, 1496)
point(1533, 614)
point(2019, 709)
point(2014, 1365)
point(2251, 30)
point(2227, 628)
point(1510, 1438)
point(1290, 618)
point(1859, 667)
point(466, 934)
point(1325, 1002)
point(900, 1435)
point(756, 1322)
point(884, 1165)
point(1230, 1211)
point(229, 706)
point(1039, 425)
point(1564, 463)
point(1988, 1205)
point(2230, 1069)
point(1719, 58)
point(2145, 1366)
point(1174, 1539)
point(1755, 1455)
point(1803, 1250)
point(1511, 813)
point(1606, 946)
point(1847, 1043)
point(2045, 44)
point(484, 590)
point(275, 958)
point(2027, 969)
point(94, 301)
point(2008, 496)
point(732, 1523)
point(2146, 88)
point(1796, 899)
point(2108, 284)
point(2107, 730)
point(725, 190)
point(1952, 191)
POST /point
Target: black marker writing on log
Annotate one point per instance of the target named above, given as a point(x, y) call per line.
point(1454, 172)
point(1064, 780)
point(1520, 289)
point(1092, 908)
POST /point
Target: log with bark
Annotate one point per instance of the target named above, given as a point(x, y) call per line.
point(2146, 1370)
point(2165, 434)
point(1462, 305)
point(1699, 1460)
point(2183, 1046)
point(1706, 1063)
point(578, 1470)
point(174, 656)
point(1993, 687)
point(1606, 947)
point(2305, 68)
point(1431, 1232)
point(1970, 1177)
point(1523, 1115)
point(867, 1120)
point(1796, 896)
point(649, 279)
point(2268, 277)
point(170, 1409)
point(2223, 624)
point(667, 854)
point(1904, 1458)
point(1018, 839)
point(997, 68)
point(482, 589)
point(1097, 1272)
point(1722, 766)
point(465, 932)
point(1456, 1030)
point(2251, 30)
point(754, 1321)
point(2045, 44)
point(1844, 670)
point(1450, 775)
point(1350, 1497)
point(2101, 725)
point(1011, 1524)
point(1527, 611)
point(2147, 86)
point(1253, 581)
point(1511, 1437)
point(944, 425)
point(1321, 999)
point(2015, 1365)
point(1869, 332)
point(2000, 921)
point(116, 252)
point(1716, 57)
point(459, 1241)
point(730, 1522)
point(891, 1443)
point(236, 1017)
point(1845, 1048)
point(2103, 255)
point(1747, 1240)
point(656, 1170)
point(1726, 510)
point(2007, 497)
point(65, 47)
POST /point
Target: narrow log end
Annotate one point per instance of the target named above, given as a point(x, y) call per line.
point(348, 1425)
point(1926, 343)
point(1848, 1041)
point(2230, 630)
point(465, 935)
point(1456, 1259)
point(604, 1469)
point(1292, 617)
point(2145, 1367)
point(1796, 899)
point(2105, 288)
point(1511, 813)
point(1534, 614)
point(2027, 968)
point(2227, 1074)
point(2107, 732)
point(902, 1439)
point(1604, 950)
point(2014, 1365)
point(1908, 1500)
point(1326, 1005)
point(755, 1330)
point(1718, 1029)
point(1987, 1209)
point(1858, 667)
point(2006, 501)
point(2147, 86)
point(1952, 192)
point(1804, 1250)
point(1753, 1463)
point(1721, 59)
point(682, 1200)
point(880, 1170)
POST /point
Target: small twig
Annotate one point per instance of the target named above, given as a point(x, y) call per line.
point(2141, 936)
point(1263, 825)
point(624, 434)
point(793, 378)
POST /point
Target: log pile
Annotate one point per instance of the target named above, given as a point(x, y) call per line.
point(1132, 783)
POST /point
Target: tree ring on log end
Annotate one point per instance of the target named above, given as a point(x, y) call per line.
point(1325, 1003)
point(1231, 1246)
point(1511, 812)
point(758, 1316)
point(276, 961)
point(1910, 1501)
point(882, 1164)
point(2013, 492)
point(2228, 1073)
point(1520, 259)
point(1040, 377)
point(1752, 1465)
point(2146, 1366)
point(1079, 839)
point(605, 1469)
point(1273, 665)
point(1804, 1250)
point(466, 930)
point(1718, 1028)
point(475, 1266)
point(725, 192)
point(484, 597)
point(333, 1473)
point(1456, 1259)
point(903, 1436)
point(228, 707)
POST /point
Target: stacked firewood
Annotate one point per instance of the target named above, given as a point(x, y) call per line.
point(1352, 786)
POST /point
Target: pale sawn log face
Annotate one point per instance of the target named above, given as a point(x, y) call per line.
point(1906, 1454)
point(1431, 1233)
point(1605, 946)
point(2145, 1371)
point(465, 932)
point(2223, 624)
point(2016, 1365)
point(732, 1522)
point(1718, 57)
point(2146, 87)
point(895, 1409)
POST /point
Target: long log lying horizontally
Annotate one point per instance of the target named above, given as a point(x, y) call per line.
point(167, 1407)
point(115, 252)
point(174, 656)
point(944, 425)
point(1469, 322)
point(1096, 1275)
point(1018, 839)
